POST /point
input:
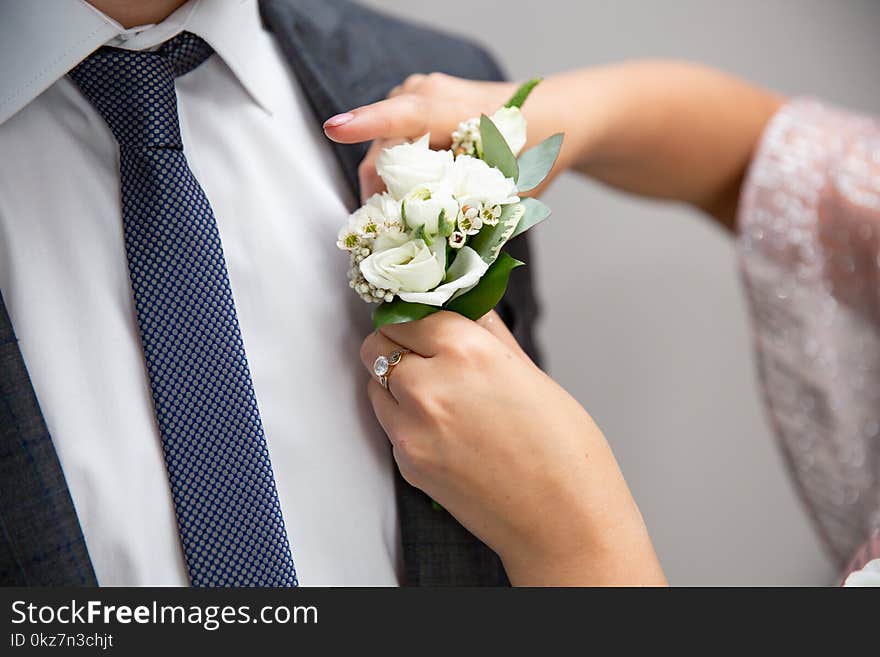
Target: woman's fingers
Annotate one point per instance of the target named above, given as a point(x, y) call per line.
point(428, 337)
point(413, 82)
point(385, 407)
point(421, 104)
point(493, 323)
point(431, 335)
point(409, 86)
point(432, 103)
point(399, 376)
point(406, 116)
point(368, 177)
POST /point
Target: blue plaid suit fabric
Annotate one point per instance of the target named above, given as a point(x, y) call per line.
point(228, 513)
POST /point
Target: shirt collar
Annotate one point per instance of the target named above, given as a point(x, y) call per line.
point(39, 44)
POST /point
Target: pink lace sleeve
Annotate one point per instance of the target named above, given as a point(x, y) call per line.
point(810, 253)
point(867, 555)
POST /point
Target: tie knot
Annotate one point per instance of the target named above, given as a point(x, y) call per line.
point(184, 52)
point(134, 90)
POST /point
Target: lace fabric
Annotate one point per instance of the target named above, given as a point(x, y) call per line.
point(809, 249)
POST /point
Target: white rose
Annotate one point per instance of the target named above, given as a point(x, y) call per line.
point(473, 181)
point(424, 205)
point(512, 126)
point(385, 206)
point(406, 166)
point(411, 267)
point(465, 272)
point(388, 239)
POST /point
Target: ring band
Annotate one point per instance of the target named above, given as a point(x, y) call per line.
point(383, 365)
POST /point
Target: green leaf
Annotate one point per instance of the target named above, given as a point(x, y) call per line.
point(535, 163)
point(490, 239)
point(421, 234)
point(496, 152)
point(488, 292)
point(445, 226)
point(519, 97)
point(535, 212)
point(397, 312)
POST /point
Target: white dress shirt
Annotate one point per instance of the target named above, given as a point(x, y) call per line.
point(278, 197)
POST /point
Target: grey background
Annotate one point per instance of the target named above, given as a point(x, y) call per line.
point(644, 319)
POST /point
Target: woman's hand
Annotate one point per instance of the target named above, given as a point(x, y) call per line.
point(478, 427)
point(434, 103)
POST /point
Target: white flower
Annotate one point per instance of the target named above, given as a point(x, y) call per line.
point(867, 576)
point(376, 225)
point(465, 272)
point(491, 214)
point(476, 183)
point(404, 167)
point(424, 205)
point(410, 267)
point(389, 239)
point(512, 126)
point(467, 140)
point(384, 206)
point(457, 239)
point(348, 239)
point(359, 231)
point(392, 229)
point(470, 222)
point(366, 222)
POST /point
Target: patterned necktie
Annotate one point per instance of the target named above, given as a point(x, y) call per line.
point(228, 513)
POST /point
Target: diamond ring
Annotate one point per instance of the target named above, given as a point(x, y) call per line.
point(383, 365)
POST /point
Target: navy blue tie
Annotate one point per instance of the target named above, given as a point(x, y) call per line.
point(228, 513)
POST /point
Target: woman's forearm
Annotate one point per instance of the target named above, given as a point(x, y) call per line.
point(657, 128)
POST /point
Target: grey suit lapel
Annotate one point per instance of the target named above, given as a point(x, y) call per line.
point(41, 543)
point(311, 35)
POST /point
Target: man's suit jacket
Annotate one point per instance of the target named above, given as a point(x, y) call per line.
point(344, 56)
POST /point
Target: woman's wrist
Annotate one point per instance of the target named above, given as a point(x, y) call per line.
point(598, 542)
point(625, 562)
point(566, 102)
point(591, 106)
point(664, 129)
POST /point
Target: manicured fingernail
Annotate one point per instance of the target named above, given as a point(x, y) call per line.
point(338, 120)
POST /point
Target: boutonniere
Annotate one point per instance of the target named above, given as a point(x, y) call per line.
point(433, 241)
